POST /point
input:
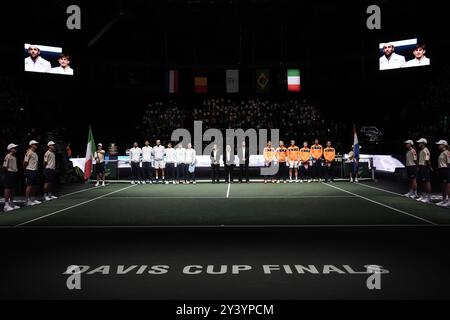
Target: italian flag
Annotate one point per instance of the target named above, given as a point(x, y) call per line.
point(90, 150)
point(293, 80)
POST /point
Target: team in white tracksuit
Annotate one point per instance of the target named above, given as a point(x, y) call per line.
point(158, 160)
point(147, 159)
point(180, 155)
point(189, 162)
point(135, 160)
point(170, 162)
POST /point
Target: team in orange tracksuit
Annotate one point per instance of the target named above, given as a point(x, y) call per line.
point(293, 158)
point(269, 157)
point(316, 154)
point(329, 154)
point(281, 154)
point(305, 158)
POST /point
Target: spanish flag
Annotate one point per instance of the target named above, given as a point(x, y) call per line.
point(201, 85)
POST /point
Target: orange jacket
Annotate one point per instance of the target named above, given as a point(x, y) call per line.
point(316, 151)
point(329, 154)
point(282, 154)
point(293, 153)
point(305, 154)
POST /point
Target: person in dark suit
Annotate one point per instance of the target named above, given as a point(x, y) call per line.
point(244, 158)
point(228, 160)
point(215, 164)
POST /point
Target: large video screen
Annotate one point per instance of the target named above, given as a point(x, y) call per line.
point(47, 59)
point(403, 54)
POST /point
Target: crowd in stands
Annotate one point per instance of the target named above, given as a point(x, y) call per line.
point(296, 119)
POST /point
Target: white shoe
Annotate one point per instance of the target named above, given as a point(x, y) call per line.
point(29, 203)
point(309, 181)
point(167, 182)
point(356, 180)
point(447, 205)
point(55, 197)
point(37, 202)
point(103, 184)
point(284, 181)
point(97, 184)
point(7, 208)
point(47, 198)
point(132, 182)
point(426, 200)
point(441, 204)
point(12, 205)
point(408, 195)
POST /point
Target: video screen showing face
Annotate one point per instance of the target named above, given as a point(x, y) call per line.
point(403, 54)
point(47, 59)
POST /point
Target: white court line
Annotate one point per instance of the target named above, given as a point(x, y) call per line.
point(71, 207)
point(228, 190)
point(380, 189)
point(381, 204)
point(232, 197)
point(79, 191)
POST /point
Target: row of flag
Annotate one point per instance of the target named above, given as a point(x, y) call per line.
point(262, 77)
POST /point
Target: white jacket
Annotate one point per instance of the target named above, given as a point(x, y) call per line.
point(147, 154)
point(170, 155)
point(180, 154)
point(190, 156)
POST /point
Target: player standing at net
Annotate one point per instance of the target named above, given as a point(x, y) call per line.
point(411, 168)
point(329, 154)
point(147, 158)
point(99, 157)
point(281, 157)
point(158, 161)
point(316, 154)
point(424, 171)
point(49, 171)
point(30, 164)
point(269, 157)
point(11, 177)
point(135, 161)
point(305, 158)
point(444, 172)
point(293, 157)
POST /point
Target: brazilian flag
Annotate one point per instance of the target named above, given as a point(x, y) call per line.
point(262, 80)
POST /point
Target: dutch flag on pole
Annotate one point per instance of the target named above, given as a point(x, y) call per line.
point(355, 143)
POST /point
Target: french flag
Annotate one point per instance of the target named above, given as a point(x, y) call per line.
point(355, 143)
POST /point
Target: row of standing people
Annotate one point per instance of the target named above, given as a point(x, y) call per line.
point(154, 164)
point(418, 169)
point(31, 172)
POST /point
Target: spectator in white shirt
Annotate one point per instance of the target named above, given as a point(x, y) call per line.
point(135, 160)
point(180, 154)
point(190, 164)
point(419, 57)
point(391, 60)
point(34, 62)
point(147, 151)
